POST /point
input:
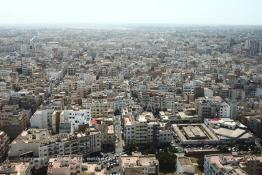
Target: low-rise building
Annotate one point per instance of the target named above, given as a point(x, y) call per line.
point(65, 165)
point(195, 134)
point(74, 164)
point(16, 168)
point(184, 165)
point(232, 164)
point(140, 164)
point(228, 130)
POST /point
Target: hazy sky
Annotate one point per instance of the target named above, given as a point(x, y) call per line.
point(132, 11)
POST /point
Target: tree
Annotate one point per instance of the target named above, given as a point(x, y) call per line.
point(167, 161)
point(200, 163)
point(117, 112)
point(131, 147)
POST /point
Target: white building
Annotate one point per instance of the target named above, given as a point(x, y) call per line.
point(189, 88)
point(224, 110)
point(143, 131)
point(75, 118)
point(42, 119)
point(208, 92)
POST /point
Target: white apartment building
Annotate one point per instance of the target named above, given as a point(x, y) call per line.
point(142, 131)
point(224, 110)
point(135, 131)
point(189, 88)
point(75, 118)
point(42, 119)
point(129, 130)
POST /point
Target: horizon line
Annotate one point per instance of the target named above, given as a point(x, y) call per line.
point(93, 24)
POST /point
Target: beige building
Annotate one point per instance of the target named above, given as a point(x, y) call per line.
point(11, 115)
point(73, 165)
point(100, 108)
point(107, 133)
point(41, 145)
point(4, 145)
point(185, 166)
point(138, 164)
point(19, 168)
point(65, 165)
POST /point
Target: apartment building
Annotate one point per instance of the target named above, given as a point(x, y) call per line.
point(212, 107)
point(156, 100)
point(42, 119)
point(13, 120)
point(137, 131)
point(40, 144)
point(100, 108)
point(164, 135)
point(69, 121)
point(107, 133)
point(143, 130)
point(74, 118)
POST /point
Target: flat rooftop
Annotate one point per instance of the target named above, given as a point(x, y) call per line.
point(225, 133)
point(17, 168)
point(184, 161)
point(194, 132)
point(138, 160)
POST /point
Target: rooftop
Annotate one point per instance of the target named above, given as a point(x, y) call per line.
point(138, 160)
point(15, 168)
point(233, 164)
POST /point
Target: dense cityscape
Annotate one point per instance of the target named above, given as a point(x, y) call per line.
point(131, 99)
